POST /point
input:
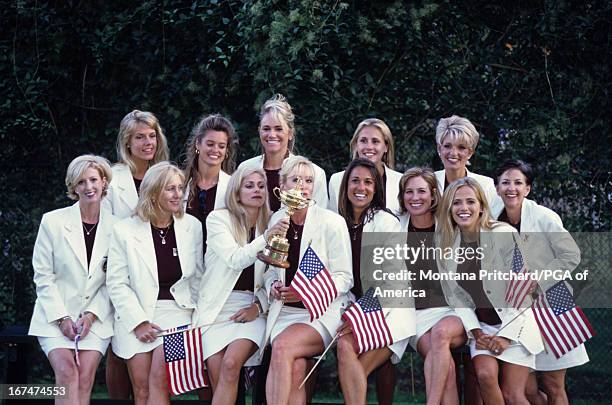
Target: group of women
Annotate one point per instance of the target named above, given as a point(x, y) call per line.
point(148, 247)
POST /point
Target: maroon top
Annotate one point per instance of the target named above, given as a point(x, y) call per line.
point(273, 180)
point(504, 218)
point(137, 183)
point(89, 239)
point(200, 206)
point(294, 235)
point(484, 309)
point(384, 189)
point(356, 232)
point(168, 263)
point(247, 278)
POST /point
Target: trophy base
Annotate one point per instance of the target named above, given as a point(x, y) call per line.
point(274, 258)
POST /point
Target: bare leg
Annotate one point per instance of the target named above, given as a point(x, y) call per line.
point(553, 384)
point(533, 393)
point(158, 379)
point(513, 382)
point(225, 389)
point(386, 377)
point(300, 368)
point(471, 388)
point(487, 371)
point(89, 359)
point(138, 367)
point(352, 376)
point(117, 376)
point(66, 374)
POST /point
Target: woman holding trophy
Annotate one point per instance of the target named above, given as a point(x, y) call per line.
point(317, 238)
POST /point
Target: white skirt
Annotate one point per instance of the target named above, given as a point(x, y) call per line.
point(397, 350)
point(91, 342)
point(426, 319)
point(546, 361)
point(218, 337)
point(292, 315)
point(515, 353)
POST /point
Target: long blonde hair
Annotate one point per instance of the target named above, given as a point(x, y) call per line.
point(388, 157)
point(237, 213)
point(126, 129)
point(447, 227)
point(153, 184)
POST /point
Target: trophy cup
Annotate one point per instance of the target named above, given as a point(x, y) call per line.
point(277, 249)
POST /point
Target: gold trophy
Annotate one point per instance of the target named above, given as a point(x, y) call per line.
point(277, 250)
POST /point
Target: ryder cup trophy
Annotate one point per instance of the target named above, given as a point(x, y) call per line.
point(277, 250)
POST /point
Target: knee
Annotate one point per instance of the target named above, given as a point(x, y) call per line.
point(86, 379)
point(345, 349)
point(66, 372)
point(487, 376)
point(552, 386)
point(230, 368)
point(513, 395)
point(140, 385)
point(299, 367)
point(282, 350)
point(440, 337)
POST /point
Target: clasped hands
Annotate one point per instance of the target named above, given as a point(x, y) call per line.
point(495, 344)
point(82, 326)
point(285, 294)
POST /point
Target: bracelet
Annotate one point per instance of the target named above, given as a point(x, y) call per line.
point(62, 319)
point(259, 308)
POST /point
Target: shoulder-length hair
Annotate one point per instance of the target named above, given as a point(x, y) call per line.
point(389, 157)
point(292, 163)
point(126, 131)
point(237, 212)
point(281, 110)
point(430, 178)
point(345, 208)
point(154, 182)
point(77, 168)
point(213, 122)
point(447, 227)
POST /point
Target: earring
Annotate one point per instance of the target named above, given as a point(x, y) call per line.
point(197, 151)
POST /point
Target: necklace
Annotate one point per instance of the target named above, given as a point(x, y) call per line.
point(412, 228)
point(296, 232)
point(163, 233)
point(89, 231)
point(354, 230)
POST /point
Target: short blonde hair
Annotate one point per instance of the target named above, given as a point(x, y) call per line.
point(282, 112)
point(153, 183)
point(430, 178)
point(126, 130)
point(292, 163)
point(389, 157)
point(457, 128)
point(77, 167)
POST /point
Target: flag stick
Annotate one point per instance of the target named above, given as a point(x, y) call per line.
point(318, 361)
point(534, 298)
point(166, 333)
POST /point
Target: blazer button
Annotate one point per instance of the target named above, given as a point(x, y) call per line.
point(257, 287)
point(89, 277)
point(172, 289)
point(499, 310)
point(488, 291)
point(182, 305)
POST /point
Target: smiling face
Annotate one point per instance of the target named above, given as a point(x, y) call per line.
point(466, 209)
point(418, 197)
point(143, 143)
point(454, 153)
point(213, 148)
point(303, 173)
point(273, 134)
point(512, 188)
point(171, 197)
point(360, 188)
point(90, 186)
point(371, 145)
point(252, 191)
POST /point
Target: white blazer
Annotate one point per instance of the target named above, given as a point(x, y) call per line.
point(498, 244)
point(65, 285)
point(132, 275)
point(329, 238)
point(121, 197)
point(546, 243)
point(487, 184)
point(320, 179)
point(225, 260)
point(219, 196)
point(391, 190)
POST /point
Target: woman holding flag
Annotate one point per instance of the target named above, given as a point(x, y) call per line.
point(548, 245)
point(303, 319)
point(362, 205)
point(154, 270)
point(232, 301)
point(500, 336)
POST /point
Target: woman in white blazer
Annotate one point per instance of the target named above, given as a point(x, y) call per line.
point(547, 245)
point(456, 141)
point(294, 336)
point(362, 205)
point(500, 336)
point(438, 327)
point(372, 140)
point(210, 156)
point(154, 270)
point(232, 299)
point(277, 136)
point(69, 260)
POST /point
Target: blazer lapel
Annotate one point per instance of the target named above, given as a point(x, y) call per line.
point(309, 232)
point(100, 246)
point(145, 248)
point(73, 231)
point(182, 234)
point(125, 183)
point(221, 188)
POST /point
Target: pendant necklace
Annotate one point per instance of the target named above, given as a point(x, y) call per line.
point(163, 233)
point(411, 228)
point(89, 231)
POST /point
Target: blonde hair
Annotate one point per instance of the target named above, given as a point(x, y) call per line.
point(457, 128)
point(294, 163)
point(430, 178)
point(447, 227)
point(282, 112)
point(77, 168)
point(389, 157)
point(126, 129)
point(237, 213)
point(153, 184)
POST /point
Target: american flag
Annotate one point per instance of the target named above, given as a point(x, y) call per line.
point(313, 283)
point(370, 328)
point(562, 324)
point(184, 360)
point(518, 288)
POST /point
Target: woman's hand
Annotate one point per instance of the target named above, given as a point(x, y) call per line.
point(482, 339)
point(68, 328)
point(146, 332)
point(279, 228)
point(276, 286)
point(345, 329)
point(498, 344)
point(84, 323)
point(287, 295)
point(247, 314)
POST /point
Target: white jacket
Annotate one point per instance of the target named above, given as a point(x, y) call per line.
point(546, 243)
point(391, 190)
point(220, 194)
point(329, 238)
point(121, 197)
point(132, 279)
point(225, 260)
point(320, 179)
point(65, 285)
point(487, 184)
point(498, 244)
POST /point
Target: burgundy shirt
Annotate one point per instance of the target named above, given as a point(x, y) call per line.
point(168, 263)
point(137, 183)
point(356, 233)
point(504, 218)
point(273, 180)
point(200, 206)
point(89, 240)
point(294, 256)
point(247, 278)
